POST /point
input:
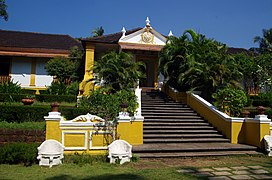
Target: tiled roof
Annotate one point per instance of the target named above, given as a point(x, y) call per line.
point(233, 50)
point(110, 38)
point(37, 40)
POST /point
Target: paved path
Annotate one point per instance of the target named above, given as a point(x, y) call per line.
point(226, 173)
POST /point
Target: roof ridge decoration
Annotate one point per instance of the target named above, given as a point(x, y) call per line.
point(145, 36)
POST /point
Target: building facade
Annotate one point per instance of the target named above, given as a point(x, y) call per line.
point(23, 56)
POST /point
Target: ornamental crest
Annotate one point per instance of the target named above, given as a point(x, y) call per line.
point(147, 37)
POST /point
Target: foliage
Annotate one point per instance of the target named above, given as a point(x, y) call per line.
point(265, 42)
point(10, 87)
point(256, 70)
point(230, 100)
point(56, 98)
point(118, 71)
point(60, 88)
point(6, 97)
point(262, 99)
point(3, 10)
point(107, 105)
point(16, 153)
point(65, 68)
point(61, 67)
point(84, 158)
point(20, 113)
point(194, 62)
point(22, 125)
point(98, 31)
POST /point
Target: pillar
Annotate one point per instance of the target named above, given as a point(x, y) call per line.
point(86, 85)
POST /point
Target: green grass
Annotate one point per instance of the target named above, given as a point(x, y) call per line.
point(23, 125)
point(143, 169)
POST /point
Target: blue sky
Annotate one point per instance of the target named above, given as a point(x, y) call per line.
point(233, 22)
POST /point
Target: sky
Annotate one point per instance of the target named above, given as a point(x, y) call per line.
point(233, 22)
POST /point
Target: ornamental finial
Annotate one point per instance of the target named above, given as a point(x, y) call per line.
point(147, 22)
point(124, 32)
point(170, 33)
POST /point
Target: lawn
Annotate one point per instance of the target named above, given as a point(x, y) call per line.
point(143, 169)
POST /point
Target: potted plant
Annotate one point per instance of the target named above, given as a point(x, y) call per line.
point(28, 100)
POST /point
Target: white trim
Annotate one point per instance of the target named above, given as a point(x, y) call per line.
point(75, 132)
point(91, 142)
point(258, 119)
point(79, 124)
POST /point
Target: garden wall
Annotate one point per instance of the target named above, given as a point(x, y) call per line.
point(21, 135)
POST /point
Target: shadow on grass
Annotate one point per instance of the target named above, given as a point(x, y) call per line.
point(105, 176)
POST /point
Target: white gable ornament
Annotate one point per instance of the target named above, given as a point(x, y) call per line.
point(146, 35)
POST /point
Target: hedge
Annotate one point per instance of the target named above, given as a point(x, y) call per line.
point(21, 113)
point(55, 98)
point(16, 153)
point(6, 97)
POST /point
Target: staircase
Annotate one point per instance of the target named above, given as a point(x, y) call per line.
point(173, 129)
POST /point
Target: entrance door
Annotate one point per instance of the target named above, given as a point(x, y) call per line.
point(150, 72)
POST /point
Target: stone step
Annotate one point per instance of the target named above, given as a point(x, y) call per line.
point(162, 110)
point(180, 108)
point(146, 123)
point(181, 117)
point(184, 136)
point(163, 114)
point(176, 131)
point(177, 127)
point(163, 120)
point(195, 154)
point(186, 140)
point(191, 147)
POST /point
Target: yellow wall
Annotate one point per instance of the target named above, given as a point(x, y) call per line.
point(86, 85)
point(132, 132)
point(53, 130)
point(33, 72)
point(245, 131)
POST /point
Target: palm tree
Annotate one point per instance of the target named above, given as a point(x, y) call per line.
point(265, 42)
point(119, 70)
point(98, 31)
point(194, 62)
point(3, 10)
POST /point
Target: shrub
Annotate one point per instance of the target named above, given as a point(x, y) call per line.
point(10, 87)
point(56, 98)
point(263, 99)
point(230, 100)
point(23, 125)
point(84, 158)
point(60, 88)
point(107, 105)
point(7, 97)
point(20, 113)
point(16, 153)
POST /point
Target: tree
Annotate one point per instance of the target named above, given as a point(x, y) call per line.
point(194, 62)
point(265, 42)
point(118, 70)
point(3, 10)
point(65, 68)
point(98, 31)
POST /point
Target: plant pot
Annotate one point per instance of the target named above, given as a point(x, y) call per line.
point(27, 101)
point(55, 107)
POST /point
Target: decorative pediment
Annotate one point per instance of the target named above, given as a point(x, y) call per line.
point(88, 118)
point(145, 36)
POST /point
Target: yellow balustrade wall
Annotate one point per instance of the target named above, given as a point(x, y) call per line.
point(130, 131)
point(249, 131)
point(90, 136)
